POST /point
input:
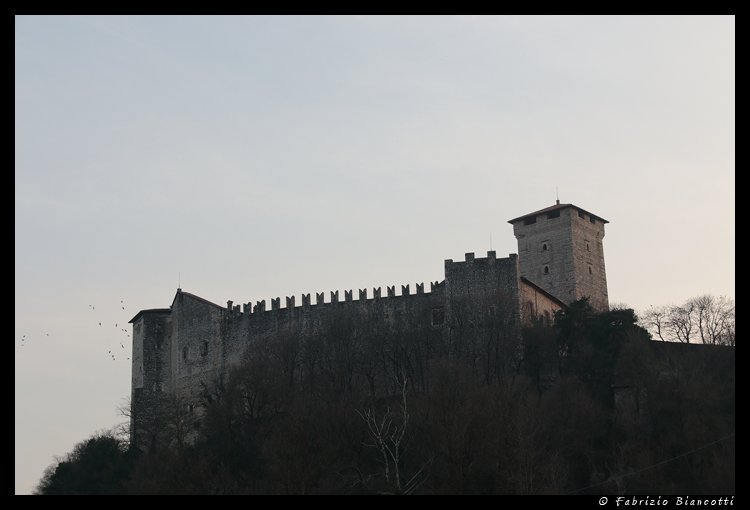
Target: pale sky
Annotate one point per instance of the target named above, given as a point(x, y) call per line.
point(263, 157)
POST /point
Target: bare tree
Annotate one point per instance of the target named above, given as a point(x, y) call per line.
point(655, 320)
point(682, 321)
point(126, 429)
point(708, 318)
point(715, 319)
point(147, 431)
point(388, 436)
point(179, 420)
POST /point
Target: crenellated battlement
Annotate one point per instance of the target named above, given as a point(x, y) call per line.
point(451, 267)
point(260, 306)
point(470, 260)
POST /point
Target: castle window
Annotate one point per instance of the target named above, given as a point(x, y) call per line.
point(204, 349)
point(546, 269)
point(438, 316)
point(590, 270)
point(587, 247)
point(544, 247)
point(592, 220)
point(553, 214)
point(529, 221)
point(581, 215)
point(184, 353)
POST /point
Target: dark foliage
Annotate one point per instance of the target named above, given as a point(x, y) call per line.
point(98, 465)
point(592, 406)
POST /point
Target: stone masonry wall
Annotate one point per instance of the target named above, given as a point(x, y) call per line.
point(561, 250)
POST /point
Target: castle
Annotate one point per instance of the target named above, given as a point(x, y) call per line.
point(178, 351)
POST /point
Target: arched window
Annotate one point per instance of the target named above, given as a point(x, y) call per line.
point(544, 247)
point(546, 269)
point(184, 353)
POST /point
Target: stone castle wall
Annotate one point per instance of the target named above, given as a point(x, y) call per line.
point(180, 350)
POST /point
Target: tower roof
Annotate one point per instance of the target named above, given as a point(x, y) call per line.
point(198, 298)
point(157, 311)
point(558, 205)
point(152, 311)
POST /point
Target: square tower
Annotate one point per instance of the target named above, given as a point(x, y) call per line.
point(560, 249)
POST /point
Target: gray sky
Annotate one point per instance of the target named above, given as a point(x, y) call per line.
point(270, 157)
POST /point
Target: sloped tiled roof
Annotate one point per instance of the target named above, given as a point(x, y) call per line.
point(557, 206)
point(549, 295)
point(169, 310)
point(205, 301)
